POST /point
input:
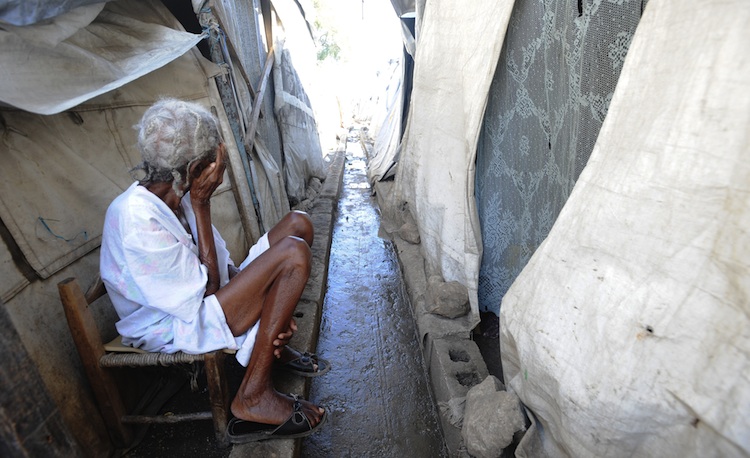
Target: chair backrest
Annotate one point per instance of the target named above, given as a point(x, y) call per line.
point(96, 290)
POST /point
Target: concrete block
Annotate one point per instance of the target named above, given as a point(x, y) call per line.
point(456, 365)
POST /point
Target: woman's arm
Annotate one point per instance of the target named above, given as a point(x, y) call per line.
point(232, 270)
point(201, 189)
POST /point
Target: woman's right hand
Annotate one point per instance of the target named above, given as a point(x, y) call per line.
point(204, 185)
point(283, 339)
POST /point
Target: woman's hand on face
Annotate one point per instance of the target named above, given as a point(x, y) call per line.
point(204, 185)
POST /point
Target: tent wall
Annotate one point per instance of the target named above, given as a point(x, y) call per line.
point(386, 123)
point(436, 169)
point(31, 422)
point(628, 333)
point(295, 107)
point(21, 13)
point(115, 42)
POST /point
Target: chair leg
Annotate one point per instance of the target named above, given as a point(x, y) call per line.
point(90, 349)
point(218, 391)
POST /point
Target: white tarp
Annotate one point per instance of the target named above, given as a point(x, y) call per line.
point(459, 43)
point(386, 126)
point(628, 333)
point(53, 66)
point(27, 12)
point(295, 100)
point(50, 162)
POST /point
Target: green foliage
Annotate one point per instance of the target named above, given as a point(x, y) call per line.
point(326, 34)
point(327, 47)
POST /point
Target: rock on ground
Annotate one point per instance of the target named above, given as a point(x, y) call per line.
point(491, 418)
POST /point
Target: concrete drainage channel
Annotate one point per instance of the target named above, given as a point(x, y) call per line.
point(377, 332)
point(378, 394)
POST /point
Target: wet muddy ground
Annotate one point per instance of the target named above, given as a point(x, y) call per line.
point(377, 393)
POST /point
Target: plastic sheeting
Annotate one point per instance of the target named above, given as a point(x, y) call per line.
point(383, 158)
point(295, 104)
point(27, 12)
point(303, 156)
point(456, 58)
point(42, 66)
point(628, 333)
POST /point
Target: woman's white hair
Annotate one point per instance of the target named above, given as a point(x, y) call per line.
point(172, 135)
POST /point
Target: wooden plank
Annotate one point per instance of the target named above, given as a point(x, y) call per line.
point(96, 290)
point(266, 11)
point(255, 116)
point(90, 349)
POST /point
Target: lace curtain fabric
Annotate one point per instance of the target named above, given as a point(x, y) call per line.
point(554, 81)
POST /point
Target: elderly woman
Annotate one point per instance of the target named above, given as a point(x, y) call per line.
point(175, 288)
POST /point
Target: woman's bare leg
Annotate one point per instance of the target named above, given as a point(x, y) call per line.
point(268, 289)
point(297, 224)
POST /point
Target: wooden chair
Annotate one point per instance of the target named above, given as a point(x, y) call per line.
point(99, 358)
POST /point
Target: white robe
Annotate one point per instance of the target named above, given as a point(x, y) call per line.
point(152, 271)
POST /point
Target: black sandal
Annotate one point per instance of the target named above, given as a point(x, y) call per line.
point(304, 365)
point(297, 425)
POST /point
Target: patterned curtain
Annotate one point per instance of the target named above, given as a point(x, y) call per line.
point(555, 78)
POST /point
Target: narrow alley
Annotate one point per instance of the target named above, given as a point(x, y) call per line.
point(377, 393)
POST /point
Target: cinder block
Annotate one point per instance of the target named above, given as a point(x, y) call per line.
point(456, 365)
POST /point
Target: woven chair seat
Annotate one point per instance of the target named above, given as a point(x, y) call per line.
point(121, 355)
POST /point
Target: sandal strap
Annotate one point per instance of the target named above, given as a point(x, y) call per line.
point(297, 421)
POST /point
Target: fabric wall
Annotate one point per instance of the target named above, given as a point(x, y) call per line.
point(628, 332)
point(296, 101)
point(549, 96)
point(21, 13)
point(436, 169)
point(303, 156)
point(386, 126)
point(60, 172)
point(117, 43)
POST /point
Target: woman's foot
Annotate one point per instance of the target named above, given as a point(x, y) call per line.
point(274, 408)
point(298, 424)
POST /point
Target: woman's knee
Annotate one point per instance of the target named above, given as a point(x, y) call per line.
point(300, 225)
point(296, 252)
